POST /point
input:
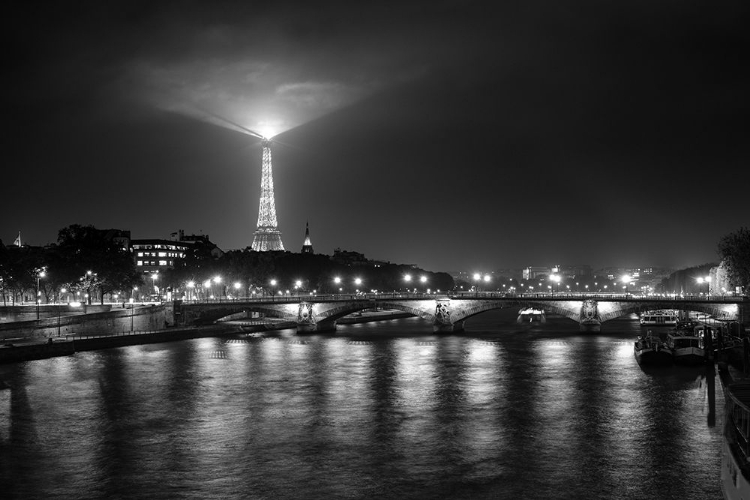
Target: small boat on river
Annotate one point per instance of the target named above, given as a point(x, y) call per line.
point(687, 346)
point(659, 318)
point(651, 350)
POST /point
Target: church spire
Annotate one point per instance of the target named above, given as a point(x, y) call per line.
point(307, 245)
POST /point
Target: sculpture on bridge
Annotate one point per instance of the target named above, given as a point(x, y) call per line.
point(442, 313)
point(443, 321)
point(590, 319)
point(305, 315)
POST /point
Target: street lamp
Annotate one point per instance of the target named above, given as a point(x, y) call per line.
point(217, 280)
point(89, 278)
point(207, 289)
point(477, 279)
point(273, 285)
point(40, 274)
point(707, 281)
point(297, 286)
point(154, 277)
point(556, 278)
point(626, 279)
point(237, 286)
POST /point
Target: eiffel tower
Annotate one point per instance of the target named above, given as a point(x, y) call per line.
point(267, 236)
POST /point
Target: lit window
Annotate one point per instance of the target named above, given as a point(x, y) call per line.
point(162, 254)
point(162, 262)
point(139, 263)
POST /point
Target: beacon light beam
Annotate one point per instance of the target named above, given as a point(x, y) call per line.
point(267, 134)
point(236, 126)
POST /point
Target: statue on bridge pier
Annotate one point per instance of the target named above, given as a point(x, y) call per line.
point(443, 321)
point(590, 319)
point(306, 317)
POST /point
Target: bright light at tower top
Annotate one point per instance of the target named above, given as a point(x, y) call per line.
point(266, 131)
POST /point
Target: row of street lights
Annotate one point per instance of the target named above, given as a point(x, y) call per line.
point(273, 283)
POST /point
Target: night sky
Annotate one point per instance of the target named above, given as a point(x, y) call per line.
point(451, 135)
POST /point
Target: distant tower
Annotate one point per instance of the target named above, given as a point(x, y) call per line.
point(267, 237)
point(307, 245)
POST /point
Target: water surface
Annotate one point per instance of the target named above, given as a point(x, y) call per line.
point(377, 410)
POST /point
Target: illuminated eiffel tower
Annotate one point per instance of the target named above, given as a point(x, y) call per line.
point(267, 236)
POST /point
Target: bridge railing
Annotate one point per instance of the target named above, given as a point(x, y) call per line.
point(332, 297)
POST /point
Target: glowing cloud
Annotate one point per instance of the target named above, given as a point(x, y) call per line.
point(254, 95)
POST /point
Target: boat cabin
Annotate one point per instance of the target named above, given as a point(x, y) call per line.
point(659, 318)
point(682, 341)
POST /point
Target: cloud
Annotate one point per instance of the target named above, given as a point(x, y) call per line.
point(323, 96)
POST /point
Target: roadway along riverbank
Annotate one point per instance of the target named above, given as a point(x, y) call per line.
point(22, 349)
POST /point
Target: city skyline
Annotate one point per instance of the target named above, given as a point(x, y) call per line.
point(448, 136)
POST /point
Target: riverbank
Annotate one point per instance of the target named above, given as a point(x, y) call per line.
point(14, 350)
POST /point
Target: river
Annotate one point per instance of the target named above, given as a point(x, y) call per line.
point(375, 410)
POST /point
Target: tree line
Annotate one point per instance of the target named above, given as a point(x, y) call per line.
point(86, 264)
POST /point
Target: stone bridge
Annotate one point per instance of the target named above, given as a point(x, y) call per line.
point(448, 313)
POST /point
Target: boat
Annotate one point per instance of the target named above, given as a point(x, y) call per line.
point(687, 325)
point(687, 346)
point(735, 450)
point(659, 318)
point(651, 350)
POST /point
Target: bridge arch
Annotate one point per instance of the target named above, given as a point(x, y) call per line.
point(338, 312)
point(214, 313)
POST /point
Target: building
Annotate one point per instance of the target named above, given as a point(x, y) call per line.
point(157, 255)
point(307, 245)
point(201, 243)
point(119, 236)
point(530, 273)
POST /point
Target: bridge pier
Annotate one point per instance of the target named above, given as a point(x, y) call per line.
point(456, 327)
point(316, 328)
point(590, 319)
point(443, 322)
point(307, 323)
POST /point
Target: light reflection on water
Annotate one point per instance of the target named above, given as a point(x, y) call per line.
point(386, 410)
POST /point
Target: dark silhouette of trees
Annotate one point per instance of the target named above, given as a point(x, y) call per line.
point(19, 267)
point(84, 258)
point(734, 249)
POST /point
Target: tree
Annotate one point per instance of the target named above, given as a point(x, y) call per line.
point(734, 250)
point(85, 254)
point(19, 268)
